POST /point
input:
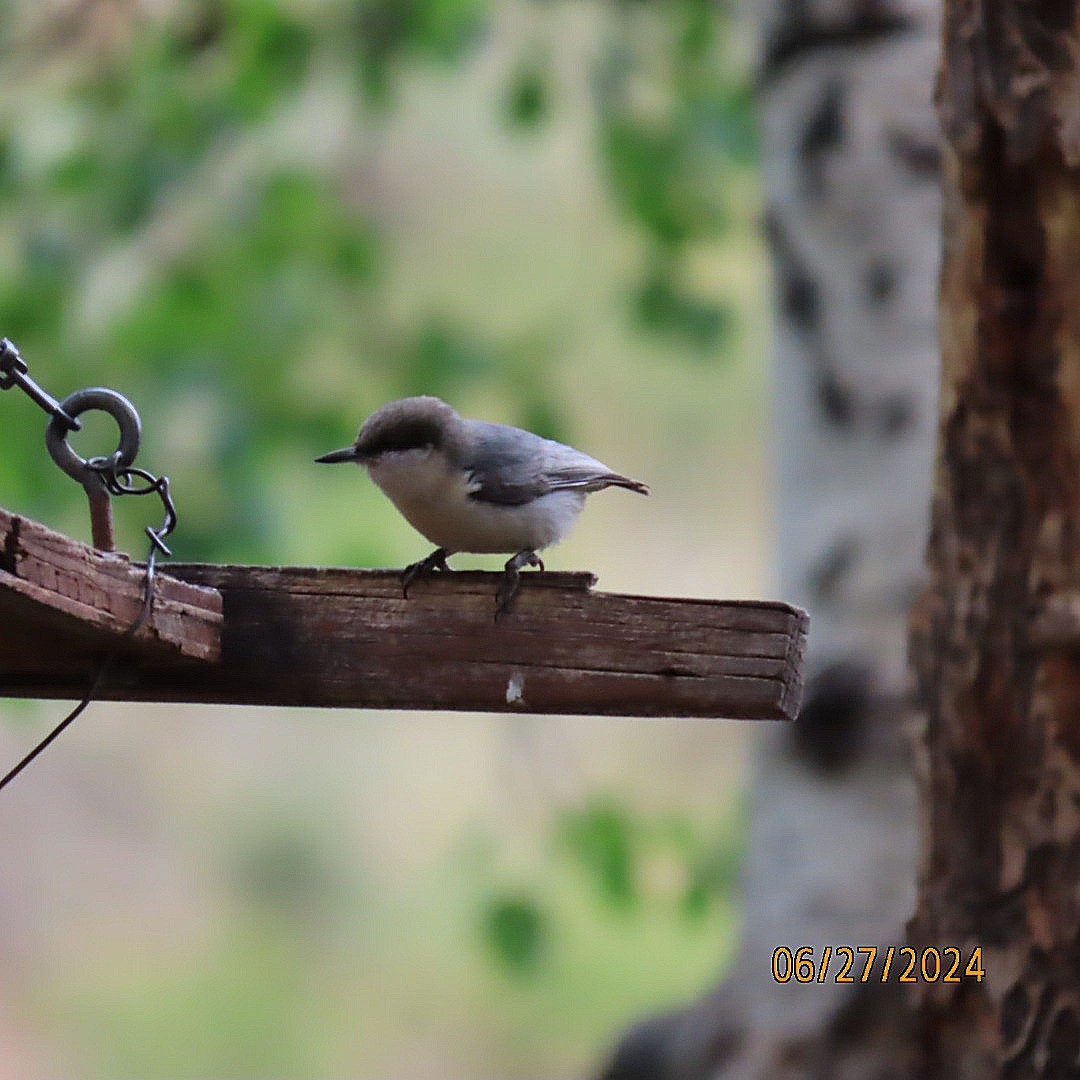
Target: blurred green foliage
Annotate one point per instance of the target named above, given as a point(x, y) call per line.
point(626, 863)
point(602, 839)
point(386, 32)
point(514, 927)
point(161, 233)
point(155, 238)
point(527, 99)
point(668, 154)
point(290, 979)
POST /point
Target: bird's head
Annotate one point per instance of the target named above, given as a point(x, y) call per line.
point(413, 423)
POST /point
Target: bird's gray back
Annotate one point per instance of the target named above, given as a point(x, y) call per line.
point(511, 466)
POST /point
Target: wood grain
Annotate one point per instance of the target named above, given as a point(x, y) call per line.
point(61, 601)
point(348, 638)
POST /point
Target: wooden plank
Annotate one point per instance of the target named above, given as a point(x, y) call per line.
point(60, 598)
point(331, 637)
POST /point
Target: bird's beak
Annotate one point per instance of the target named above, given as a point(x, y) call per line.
point(346, 454)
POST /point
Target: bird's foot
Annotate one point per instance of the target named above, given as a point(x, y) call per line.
point(512, 578)
point(435, 561)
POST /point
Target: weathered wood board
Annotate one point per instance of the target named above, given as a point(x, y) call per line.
point(319, 636)
point(61, 600)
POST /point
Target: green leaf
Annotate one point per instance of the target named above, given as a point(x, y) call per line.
point(385, 32)
point(602, 838)
point(527, 102)
point(270, 53)
point(664, 309)
point(515, 930)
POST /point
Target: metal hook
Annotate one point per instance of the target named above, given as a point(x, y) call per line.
point(87, 473)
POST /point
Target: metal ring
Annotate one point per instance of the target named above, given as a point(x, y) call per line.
point(95, 397)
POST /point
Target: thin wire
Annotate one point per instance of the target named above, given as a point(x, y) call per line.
point(103, 667)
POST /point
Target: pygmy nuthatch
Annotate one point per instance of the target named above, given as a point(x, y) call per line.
point(472, 486)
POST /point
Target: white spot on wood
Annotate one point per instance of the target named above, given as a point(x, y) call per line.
point(515, 689)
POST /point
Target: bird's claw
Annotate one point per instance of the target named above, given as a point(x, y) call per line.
point(508, 587)
point(435, 561)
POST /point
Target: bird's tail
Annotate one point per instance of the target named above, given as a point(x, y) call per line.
point(616, 480)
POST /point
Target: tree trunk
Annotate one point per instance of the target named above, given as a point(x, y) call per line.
point(996, 640)
point(851, 162)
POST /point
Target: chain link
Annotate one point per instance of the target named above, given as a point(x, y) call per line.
point(119, 482)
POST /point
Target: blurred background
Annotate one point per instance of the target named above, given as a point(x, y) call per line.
point(260, 221)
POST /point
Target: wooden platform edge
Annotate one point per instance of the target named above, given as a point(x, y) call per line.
point(62, 595)
point(791, 701)
point(343, 638)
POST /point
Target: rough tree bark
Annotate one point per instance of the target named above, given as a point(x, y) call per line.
point(851, 161)
point(996, 640)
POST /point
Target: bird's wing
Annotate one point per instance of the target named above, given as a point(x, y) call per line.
point(509, 466)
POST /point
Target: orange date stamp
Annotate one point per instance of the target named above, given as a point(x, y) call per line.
point(872, 963)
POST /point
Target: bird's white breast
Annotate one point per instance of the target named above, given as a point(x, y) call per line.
point(433, 497)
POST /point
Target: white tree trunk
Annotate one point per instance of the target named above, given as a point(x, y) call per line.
point(851, 161)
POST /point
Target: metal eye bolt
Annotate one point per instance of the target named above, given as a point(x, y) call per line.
point(105, 400)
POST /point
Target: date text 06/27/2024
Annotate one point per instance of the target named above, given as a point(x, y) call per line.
point(872, 963)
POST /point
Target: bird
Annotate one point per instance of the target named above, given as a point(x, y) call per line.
point(473, 486)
